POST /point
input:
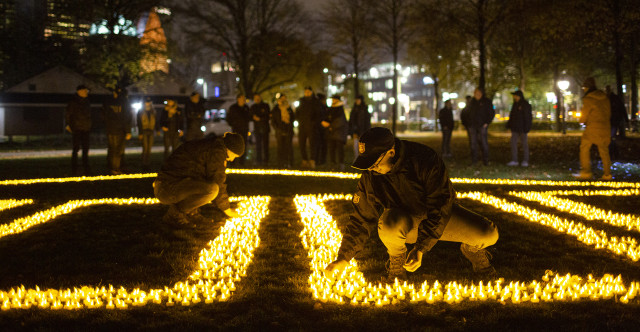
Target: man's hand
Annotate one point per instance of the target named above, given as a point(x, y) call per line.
point(128, 137)
point(231, 213)
point(165, 129)
point(485, 125)
point(140, 137)
point(256, 118)
point(414, 260)
point(68, 128)
point(336, 267)
point(325, 124)
point(180, 133)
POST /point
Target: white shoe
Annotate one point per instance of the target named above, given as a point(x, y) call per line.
point(524, 164)
point(512, 163)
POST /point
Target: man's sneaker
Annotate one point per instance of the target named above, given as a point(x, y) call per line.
point(606, 178)
point(512, 163)
point(395, 268)
point(525, 164)
point(479, 259)
point(174, 216)
point(195, 217)
point(583, 176)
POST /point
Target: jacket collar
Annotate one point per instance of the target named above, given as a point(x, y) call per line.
point(399, 158)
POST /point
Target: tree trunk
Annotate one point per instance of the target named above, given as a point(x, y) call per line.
point(481, 45)
point(634, 78)
point(436, 95)
point(394, 107)
point(558, 93)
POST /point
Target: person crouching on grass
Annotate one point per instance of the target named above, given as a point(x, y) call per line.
point(194, 175)
point(406, 192)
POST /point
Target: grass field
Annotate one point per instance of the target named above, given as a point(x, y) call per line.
point(129, 246)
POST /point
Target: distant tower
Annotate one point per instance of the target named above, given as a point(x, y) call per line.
point(155, 43)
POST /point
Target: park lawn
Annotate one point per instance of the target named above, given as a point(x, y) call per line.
point(130, 246)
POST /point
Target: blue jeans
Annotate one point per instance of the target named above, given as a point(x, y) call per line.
point(396, 228)
point(479, 137)
point(515, 137)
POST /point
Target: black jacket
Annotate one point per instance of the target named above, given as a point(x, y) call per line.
point(445, 116)
point(118, 116)
point(204, 160)
point(194, 113)
point(618, 111)
point(520, 117)
point(359, 120)
point(308, 114)
point(238, 118)
point(282, 128)
point(174, 123)
point(418, 182)
point(481, 112)
point(78, 114)
point(338, 127)
point(262, 111)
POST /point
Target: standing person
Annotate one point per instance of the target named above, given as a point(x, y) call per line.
point(596, 116)
point(261, 115)
point(194, 175)
point(282, 118)
point(337, 128)
point(171, 122)
point(146, 131)
point(405, 192)
point(194, 112)
point(465, 118)
point(308, 117)
point(359, 122)
point(445, 116)
point(118, 119)
point(78, 119)
point(520, 119)
point(619, 121)
point(321, 132)
point(238, 117)
point(481, 114)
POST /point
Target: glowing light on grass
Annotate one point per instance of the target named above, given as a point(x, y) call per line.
point(338, 175)
point(589, 212)
point(6, 204)
point(623, 246)
point(222, 264)
point(322, 239)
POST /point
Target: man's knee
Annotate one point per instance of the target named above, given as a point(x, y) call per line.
point(490, 235)
point(212, 190)
point(395, 219)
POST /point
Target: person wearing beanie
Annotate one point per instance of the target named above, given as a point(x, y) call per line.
point(596, 116)
point(520, 119)
point(194, 175)
point(405, 193)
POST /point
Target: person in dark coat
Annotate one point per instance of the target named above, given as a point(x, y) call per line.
point(194, 113)
point(261, 115)
point(445, 116)
point(321, 132)
point(308, 117)
point(359, 122)
point(194, 175)
point(465, 119)
point(282, 118)
point(405, 193)
point(481, 114)
point(78, 119)
point(238, 117)
point(147, 120)
point(337, 130)
point(171, 122)
point(619, 121)
point(118, 120)
point(520, 120)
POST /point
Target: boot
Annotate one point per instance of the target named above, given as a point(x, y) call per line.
point(196, 217)
point(479, 259)
point(174, 216)
point(395, 268)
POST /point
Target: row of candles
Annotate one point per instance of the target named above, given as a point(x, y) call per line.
point(6, 204)
point(624, 246)
point(338, 175)
point(322, 239)
point(589, 212)
point(220, 266)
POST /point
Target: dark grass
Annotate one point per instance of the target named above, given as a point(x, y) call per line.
point(128, 245)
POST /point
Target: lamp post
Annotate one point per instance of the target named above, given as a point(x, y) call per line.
point(202, 82)
point(563, 85)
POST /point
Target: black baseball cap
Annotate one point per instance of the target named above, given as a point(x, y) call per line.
point(373, 143)
point(82, 87)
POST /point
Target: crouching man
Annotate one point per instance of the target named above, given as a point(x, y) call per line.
point(194, 175)
point(406, 192)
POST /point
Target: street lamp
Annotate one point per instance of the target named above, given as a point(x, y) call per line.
point(202, 82)
point(563, 86)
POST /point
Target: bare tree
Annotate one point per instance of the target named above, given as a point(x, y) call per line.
point(347, 22)
point(262, 38)
point(393, 31)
